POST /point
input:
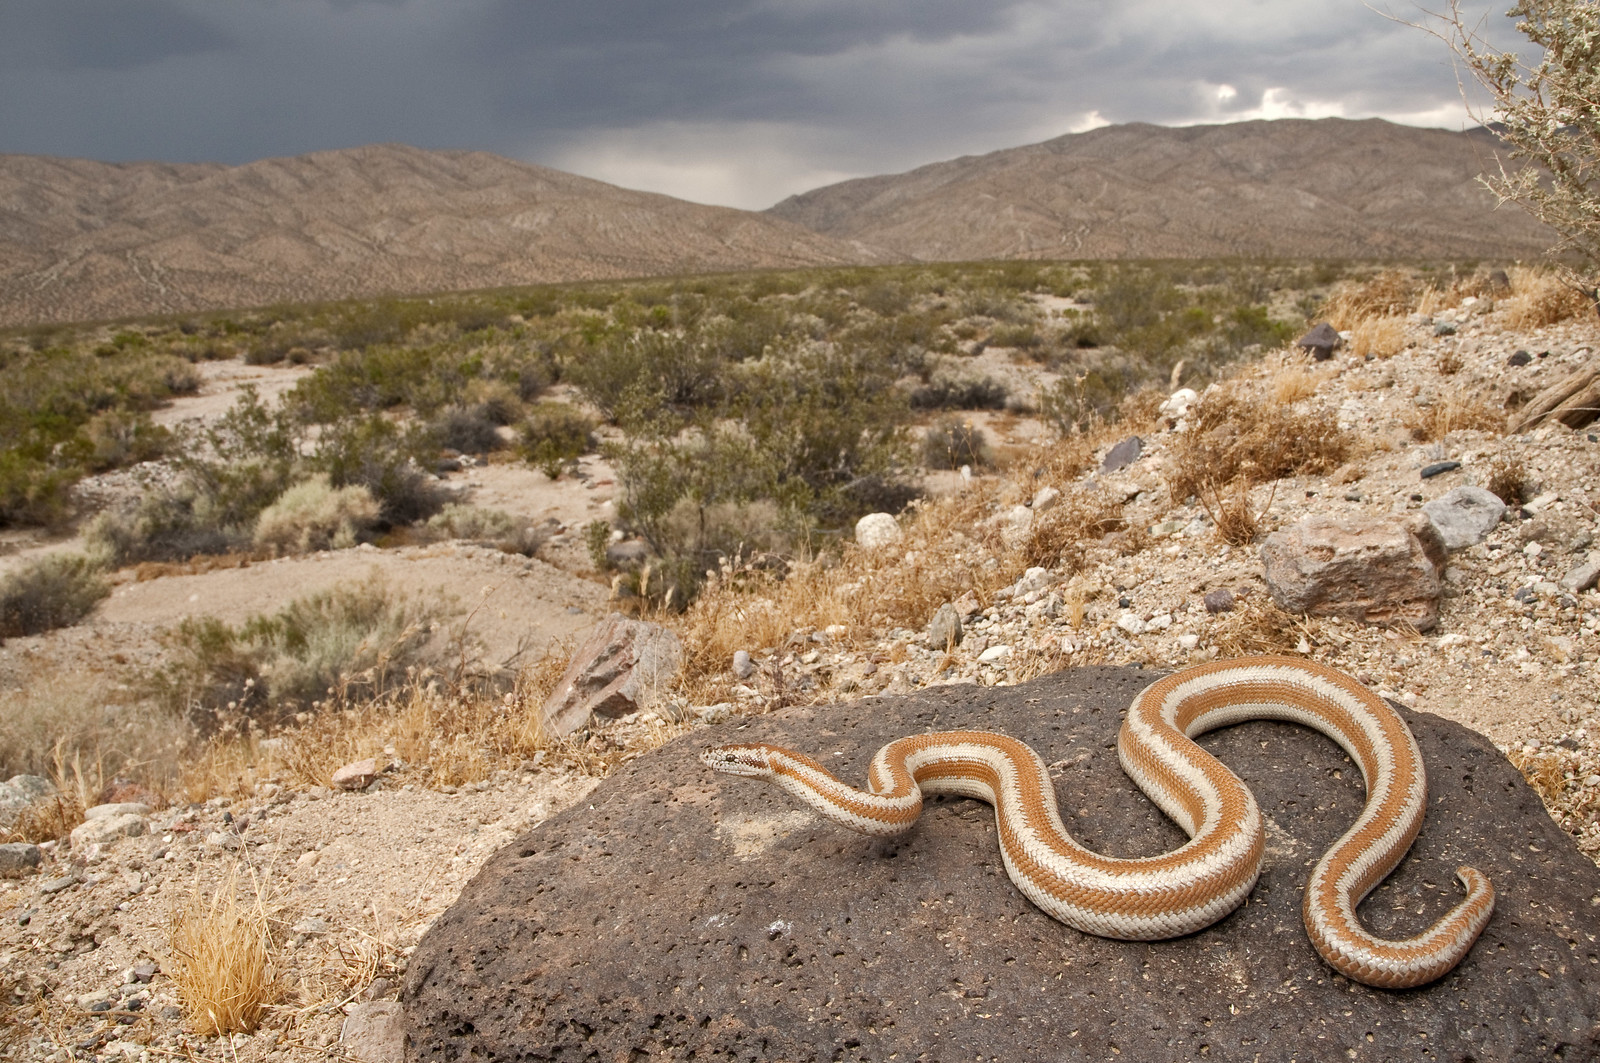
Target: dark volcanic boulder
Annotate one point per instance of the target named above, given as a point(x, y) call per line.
point(677, 914)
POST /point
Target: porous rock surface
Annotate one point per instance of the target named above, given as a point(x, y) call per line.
point(679, 914)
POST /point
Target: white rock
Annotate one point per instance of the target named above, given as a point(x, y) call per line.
point(1160, 622)
point(107, 829)
point(993, 654)
point(1045, 498)
point(1131, 623)
point(877, 530)
point(743, 666)
point(118, 808)
point(1189, 641)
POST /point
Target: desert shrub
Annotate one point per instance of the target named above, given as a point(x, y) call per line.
point(466, 429)
point(638, 374)
point(951, 442)
point(374, 453)
point(50, 592)
point(1061, 534)
point(355, 638)
point(1231, 436)
point(33, 490)
point(554, 434)
point(1452, 414)
point(1392, 293)
point(168, 524)
point(1381, 336)
point(491, 527)
point(1540, 298)
point(1509, 480)
point(115, 438)
point(235, 467)
point(949, 392)
point(1077, 401)
point(312, 515)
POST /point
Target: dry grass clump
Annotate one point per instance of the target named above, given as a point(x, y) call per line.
point(1390, 294)
point(1381, 337)
point(221, 954)
point(1509, 480)
point(1234, 516)
point(1452, 414)
point(1290, 384)
point(1257, 625)
point(76, 726)
point(1232, 436)
point(1061, 533)
point(1541, 298)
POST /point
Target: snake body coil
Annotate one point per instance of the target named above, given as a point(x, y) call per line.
point(1150, 898)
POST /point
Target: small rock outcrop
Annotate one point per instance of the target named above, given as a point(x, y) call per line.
point(621, 666)
point(357, 775)
point(1122, 455)
point(676, 914)
point(1378, 571)
point(945, 630)
point(1465, 516)
point(19, 858)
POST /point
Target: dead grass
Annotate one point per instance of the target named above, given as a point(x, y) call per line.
point(1292, 383)
point(1236, 520)
point(1545, 772)
point(1381, 337)
point(1232, 436)
point(1062, 534)
point(221, 957)
point(1509, 481)
point(56, 718)
point(1391, 294)
point(1541, 298)
point(1452, 414)
point(1257, 625)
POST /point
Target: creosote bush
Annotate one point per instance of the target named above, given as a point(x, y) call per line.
point(555, 434)
point(951, 442)
point(50, 592)
point(491, 527)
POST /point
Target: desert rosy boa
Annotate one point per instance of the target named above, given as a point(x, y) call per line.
point(1150, 898)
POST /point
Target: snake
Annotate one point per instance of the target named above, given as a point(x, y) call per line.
point(1180, 892)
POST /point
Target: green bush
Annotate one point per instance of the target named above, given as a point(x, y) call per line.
point(168, 524)
point(554, 434)
point(374, 453)
point(948, 392)
point(52, 591)
point(466, 429)
point(357, 637)
point(488, 527)
point(313, 515)
point(951, 442)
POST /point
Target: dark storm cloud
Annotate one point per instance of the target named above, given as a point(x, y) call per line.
point(738, 101)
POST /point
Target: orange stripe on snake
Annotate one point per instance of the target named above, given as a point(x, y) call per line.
point(1149, 898)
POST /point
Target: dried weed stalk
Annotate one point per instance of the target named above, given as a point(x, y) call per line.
point(1258, 626)
point(1290, 384)
point(221, 952)
point(1060, 535)
point(1236, 520)
point(1381, 337)
point(1390, 294)
point(1509, 481)
point(1540, 298)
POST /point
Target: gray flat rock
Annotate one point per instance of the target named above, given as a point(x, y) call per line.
point(677, 914)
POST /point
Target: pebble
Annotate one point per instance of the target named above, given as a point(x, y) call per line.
point(1439, 467)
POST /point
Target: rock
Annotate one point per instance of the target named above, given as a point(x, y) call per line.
point(1519, 358)
point(375, 1033)
point(628, 554)
point(1439, 468)
point(18, 858)
point(1122, 454)
point(967, 605)
point(743, 666)
point(1380, 571)
point(143, 972)
point(677, 914)
point(1499, 282)
point(1321, 342)
point(1176, 405)
point(877, 530)
point(1219, 600)
point(944, 630)
point(18, 793)
point(57, 883)
point(357, 775)
point(1131, 623)
point(994, 654)
point(1583, 576)
point(107, 829)
point(1033, 579)
point(120, 808)
point(311, 926)
point(1014, 524)
point(1465, 516)
point(1044, 498)
point(622, 667)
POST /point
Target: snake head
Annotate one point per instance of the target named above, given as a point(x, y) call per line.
point(747, 761)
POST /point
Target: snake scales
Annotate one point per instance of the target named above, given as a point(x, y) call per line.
point(1150, 898)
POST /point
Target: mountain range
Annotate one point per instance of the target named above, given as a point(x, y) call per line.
point(83, 240)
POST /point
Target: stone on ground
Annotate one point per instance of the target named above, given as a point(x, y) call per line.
point(1465, 516)
point(944, 630)
point(678, 914)
point(357, 775)
point(1321, 341)
point(19, 858)
point(1376, 571)
point(877, 530)
point(107, 829)
point(621, 667)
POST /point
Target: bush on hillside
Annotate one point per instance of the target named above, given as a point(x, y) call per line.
point(555, 434)
point(313, 515)
point(52, 591)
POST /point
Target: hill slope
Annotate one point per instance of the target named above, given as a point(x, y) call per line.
point(1289, 188)
point(82, 240)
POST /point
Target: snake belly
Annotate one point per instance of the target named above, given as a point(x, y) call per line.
point(1176, 893)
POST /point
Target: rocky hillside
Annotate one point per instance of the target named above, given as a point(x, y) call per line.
point(1295, 189)
point(81, 240)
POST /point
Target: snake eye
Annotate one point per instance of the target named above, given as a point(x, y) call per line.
point(747, 761)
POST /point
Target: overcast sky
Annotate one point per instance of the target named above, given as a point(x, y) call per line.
point(737, 102)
